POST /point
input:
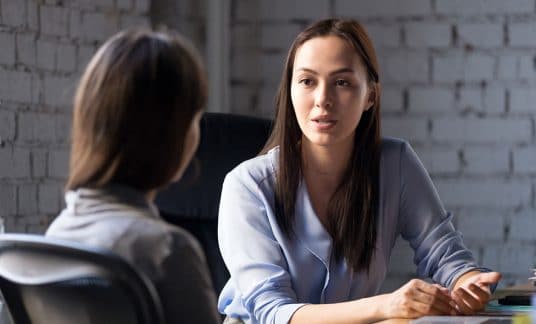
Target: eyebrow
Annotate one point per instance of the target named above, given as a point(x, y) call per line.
point(341, 70)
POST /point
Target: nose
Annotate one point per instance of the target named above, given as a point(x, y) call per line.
point(323, 96)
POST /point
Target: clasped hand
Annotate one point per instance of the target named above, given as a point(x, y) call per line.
point(418, 298)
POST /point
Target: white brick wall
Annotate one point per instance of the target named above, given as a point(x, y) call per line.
point(45, 46)
point(458, 80)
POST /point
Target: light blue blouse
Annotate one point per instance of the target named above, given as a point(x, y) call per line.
point(272, 276)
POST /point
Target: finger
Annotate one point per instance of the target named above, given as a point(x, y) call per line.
point(467, 299)
point(481, 293)
point(461, 306)
point(424, 309)
point(441, 306)
point(433, 290)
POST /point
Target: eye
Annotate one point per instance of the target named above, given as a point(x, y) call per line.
point(342, 83)
point(306, 81)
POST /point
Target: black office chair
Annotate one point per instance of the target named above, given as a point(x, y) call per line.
point(192, 203)
point(45, 280)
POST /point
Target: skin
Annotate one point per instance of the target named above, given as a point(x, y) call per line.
point(330, 92)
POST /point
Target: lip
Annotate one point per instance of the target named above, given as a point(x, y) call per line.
point(323, 123)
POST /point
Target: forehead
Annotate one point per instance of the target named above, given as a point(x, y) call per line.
point(322, 52)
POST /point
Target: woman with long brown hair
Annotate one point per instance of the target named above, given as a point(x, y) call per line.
point(307, 228)
point(135, 129)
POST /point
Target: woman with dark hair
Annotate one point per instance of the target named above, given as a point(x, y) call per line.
point(307, 228)
point(135, 129)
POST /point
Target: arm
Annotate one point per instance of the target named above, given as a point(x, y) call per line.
point(250, 247)
point(415, 299)
point(185, 287)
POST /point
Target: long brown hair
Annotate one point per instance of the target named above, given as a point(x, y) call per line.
point(353, 208)
point(133, 107)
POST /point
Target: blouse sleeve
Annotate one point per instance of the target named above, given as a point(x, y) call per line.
point(252, 253)
point(439, 251)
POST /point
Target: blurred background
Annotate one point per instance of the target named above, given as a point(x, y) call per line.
point(458, 76)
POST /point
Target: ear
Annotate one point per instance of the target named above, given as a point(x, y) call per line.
point(371, 98)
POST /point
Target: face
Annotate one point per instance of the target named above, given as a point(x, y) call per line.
point(191, 142)
point(329, 91)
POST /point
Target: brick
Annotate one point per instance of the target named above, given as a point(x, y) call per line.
point(481, 225)
point(98, 26)
point(34, 127)
point(246, 10)
point(8, 199)
point(75, 24)
point(7, 44)
point(524, 159)
point(278, 36)
point(522, 226)
point(46, 55)
point(527, 67)
point(245, 36)
point(481, 34)
point(58, 164)
point(39, 163)
point(384, 36)
point(66, 58)
point(407, 66)
point(473, 130)
point(128, 21)
point(53, 20)
point(512, 258)
point(522, 100)
point(142, 6)
point(483, 7)
point(470, 99)
point(266, 106)
point(440, 160)
point(392, 99)
point(382, 8)
point(473, 67)
point(300, 9)
point(486, 160)
point(84, 56)
point(15, 86)
point(494, 99)
point(26, 49)
point(13, 12)
point(243, 98)
point(522, 34)
point(428, 34)
point(14, 163)
point(413, 129)
point(484, 193)
point(431, 100)
point(63, 127)
point(507, 67)
point(27, 199)
point(49, 198)
point(7, 126)
point(272, 66)
point(58, 91)
point(33, 15)
point(125, 4)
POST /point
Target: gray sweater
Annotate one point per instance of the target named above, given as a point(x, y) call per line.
point(119, 219)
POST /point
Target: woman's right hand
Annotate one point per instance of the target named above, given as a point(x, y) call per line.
point(418, 298)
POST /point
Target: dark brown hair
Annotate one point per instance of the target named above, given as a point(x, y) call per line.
point(132, 110)
point(353, 208)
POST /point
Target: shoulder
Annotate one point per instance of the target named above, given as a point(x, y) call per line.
point(257, 170)
point(393, 150)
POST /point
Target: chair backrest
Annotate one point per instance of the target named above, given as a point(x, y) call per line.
point(193, 202)
point(46, 280)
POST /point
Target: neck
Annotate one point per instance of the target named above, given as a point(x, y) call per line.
point(150, 195)
point(326, 162)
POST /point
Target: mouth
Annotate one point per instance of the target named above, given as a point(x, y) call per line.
point(324, 123)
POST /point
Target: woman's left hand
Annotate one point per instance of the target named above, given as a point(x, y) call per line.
point(472, 291)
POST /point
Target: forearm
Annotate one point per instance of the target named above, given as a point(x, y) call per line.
point(364, 310)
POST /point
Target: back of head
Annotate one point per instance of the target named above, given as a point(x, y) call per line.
point(132, 110)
